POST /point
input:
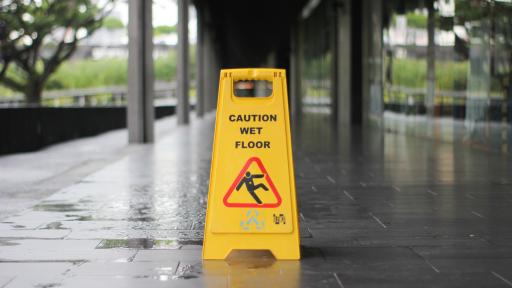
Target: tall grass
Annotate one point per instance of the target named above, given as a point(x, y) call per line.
point(89, 73)
point(105, 72)
point(450, 75)
point(86, 73)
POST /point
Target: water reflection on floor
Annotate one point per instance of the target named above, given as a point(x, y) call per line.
point(254, 269)
point(377, 210)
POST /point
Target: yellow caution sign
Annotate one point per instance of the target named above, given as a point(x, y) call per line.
point(251, 200)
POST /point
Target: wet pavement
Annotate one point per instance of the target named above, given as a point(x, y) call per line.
point(27, 178)
point(377, 210)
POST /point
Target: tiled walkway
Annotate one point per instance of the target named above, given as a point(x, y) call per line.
point(377, 210)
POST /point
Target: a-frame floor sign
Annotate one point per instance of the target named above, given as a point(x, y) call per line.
point(251, 199)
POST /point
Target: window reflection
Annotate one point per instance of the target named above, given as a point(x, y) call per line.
point(317, 35)
point(469, 88)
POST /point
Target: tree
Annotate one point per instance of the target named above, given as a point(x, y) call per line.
point(36, 36)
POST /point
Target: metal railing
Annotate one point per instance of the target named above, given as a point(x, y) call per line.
point(164, 94)
point(492, 105)
point(454, 94)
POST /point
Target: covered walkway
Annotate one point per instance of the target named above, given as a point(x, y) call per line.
point(377, 210)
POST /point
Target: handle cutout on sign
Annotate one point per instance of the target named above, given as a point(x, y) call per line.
point(252, 88)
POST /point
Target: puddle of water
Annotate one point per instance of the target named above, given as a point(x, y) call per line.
point(305, 232)
point(162, 278)
point(198, 242)
point(188, 272)
point(48, 285)
point(249, 270)
point(85, 201)
point(80, 217)
point(54, 226)
point(166, 244)
point(165, 270)
point(135, 243)
point(142, 219)
point(139, 243)
point(251, 259)
point(56, 207)
point(177, 277)
point(167, 273)
point(8, 243)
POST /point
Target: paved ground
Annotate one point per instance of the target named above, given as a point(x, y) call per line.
point(377, 210)
point(27, 178)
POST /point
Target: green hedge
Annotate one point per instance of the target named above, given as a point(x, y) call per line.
point(450, 75)
point(85, 73)
point(105, 72)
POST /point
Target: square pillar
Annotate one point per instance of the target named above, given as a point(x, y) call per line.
point(295, 71)
point(140, 109)
point(200, 107)
point(343, 62)
point(182, 67)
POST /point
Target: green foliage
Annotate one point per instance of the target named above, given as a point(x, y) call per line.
point(112, 23)
point(164, 29)
point(37, 36)
point(416, 20)
point(450, 75)
point(5, 93)
point(409, 72)
point(165, 67)
point(106, 72)
point(412, 73)
point(88, 73)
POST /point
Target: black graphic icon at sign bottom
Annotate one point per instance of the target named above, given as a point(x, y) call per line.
point(279, 219)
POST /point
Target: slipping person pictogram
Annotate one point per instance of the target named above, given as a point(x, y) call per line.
point(253, 169)
point(249, 184)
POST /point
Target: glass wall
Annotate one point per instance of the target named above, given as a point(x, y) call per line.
point(317, 32)
point(373, 71)
point(447, 70)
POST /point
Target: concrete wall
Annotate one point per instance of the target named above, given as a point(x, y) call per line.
point(29, 129)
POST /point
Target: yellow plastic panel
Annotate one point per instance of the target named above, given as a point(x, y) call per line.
point(251, 198)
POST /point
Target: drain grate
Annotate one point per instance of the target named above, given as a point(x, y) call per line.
point(183, 237)
point(145, 243)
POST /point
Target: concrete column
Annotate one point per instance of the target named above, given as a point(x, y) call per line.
point(211, 70)
point(200, 91)
point(295, 72)
point(431, 59)
point(365, 45)
point(207, 69)
point(376, 99)
point(140, 110)
point(182, 67)
point(344, 62)
point(215, 76)
point(334, 72)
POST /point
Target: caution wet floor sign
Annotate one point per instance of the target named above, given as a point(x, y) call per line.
point(251, 198)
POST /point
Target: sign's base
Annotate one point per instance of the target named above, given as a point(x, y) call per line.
point(283, 247)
